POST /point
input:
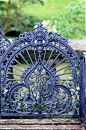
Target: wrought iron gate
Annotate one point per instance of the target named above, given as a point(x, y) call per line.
point(34, 82)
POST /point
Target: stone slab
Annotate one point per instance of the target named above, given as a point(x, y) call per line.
point(40, 121)
point(42, 127)
point(77, 44)
point(43, 124)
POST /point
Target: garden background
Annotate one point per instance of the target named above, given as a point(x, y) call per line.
point(66, 17)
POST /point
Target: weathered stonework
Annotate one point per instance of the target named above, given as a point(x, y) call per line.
point(78, 45)
point(44, 124)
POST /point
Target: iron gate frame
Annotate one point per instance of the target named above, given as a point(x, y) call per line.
point(43, 38)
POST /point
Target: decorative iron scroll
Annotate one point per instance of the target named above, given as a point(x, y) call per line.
point(40, 84)
point(4, 43)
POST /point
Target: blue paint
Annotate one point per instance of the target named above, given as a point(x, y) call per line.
point(40, 88)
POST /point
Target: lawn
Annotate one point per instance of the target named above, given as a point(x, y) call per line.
point(68, 76)
point(48, 10)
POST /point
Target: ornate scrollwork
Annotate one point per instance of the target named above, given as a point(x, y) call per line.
point(4, 43)
point(39, 85)
point(20, 100)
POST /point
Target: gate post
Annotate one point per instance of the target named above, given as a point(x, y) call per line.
point(0, 89)
point(84, 88)
point(81, 109)
point(0, 73)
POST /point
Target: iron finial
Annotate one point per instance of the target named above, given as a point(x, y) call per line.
point(40, 24)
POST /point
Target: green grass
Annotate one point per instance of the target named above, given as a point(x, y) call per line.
point(68, 76)
point(46, 11)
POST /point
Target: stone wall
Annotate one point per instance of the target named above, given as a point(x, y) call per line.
point(78, 45)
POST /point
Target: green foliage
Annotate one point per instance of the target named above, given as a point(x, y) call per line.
point(23, 23)
point(71, 23)
point(12, 17)
point(23, 62)
point(67, 69)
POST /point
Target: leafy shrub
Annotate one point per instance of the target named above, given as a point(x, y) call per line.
point(24, 23)
point(71, 23)
point(12, 17)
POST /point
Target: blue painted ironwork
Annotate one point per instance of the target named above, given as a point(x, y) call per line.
point(4, 43)
point(44, 86)
point(84, 89)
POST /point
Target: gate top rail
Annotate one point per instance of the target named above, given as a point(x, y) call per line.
point(39, 36)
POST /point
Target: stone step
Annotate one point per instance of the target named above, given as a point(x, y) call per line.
point(43, 124)
point(42, 127)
